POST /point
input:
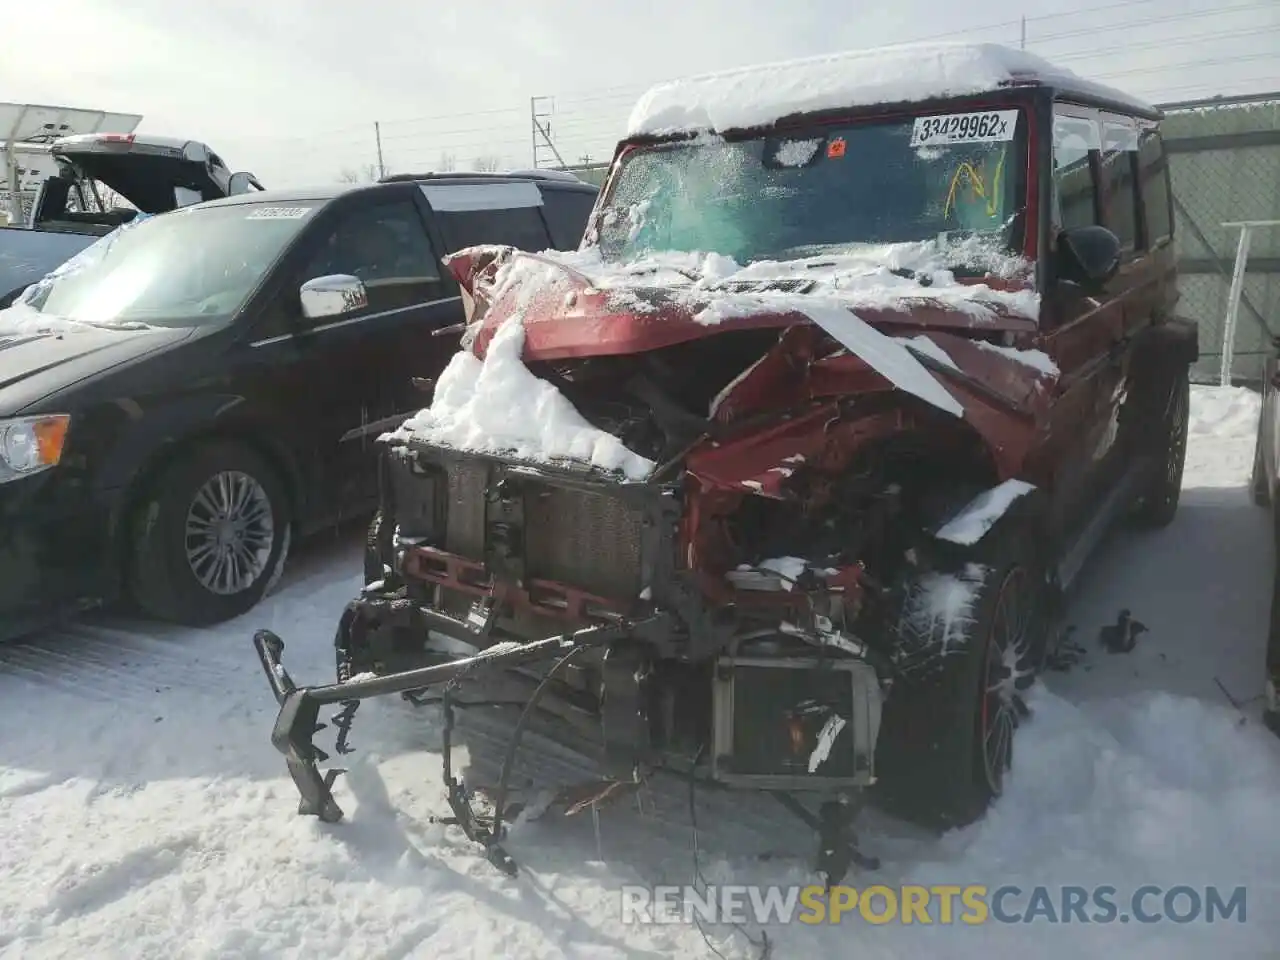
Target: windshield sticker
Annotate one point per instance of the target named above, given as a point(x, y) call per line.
point(278, 213)
point(989, 126)
point(835, 149)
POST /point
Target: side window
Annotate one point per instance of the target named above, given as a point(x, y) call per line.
point(1119, 147)
point(1153, 176)
point(521, 227)
point(471, 214)
point(386, 246)
point(567, 213)
point(1075, 198)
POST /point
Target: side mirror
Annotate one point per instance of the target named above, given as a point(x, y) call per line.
point(332, 296)
point(1088, 256)
point(242, 182)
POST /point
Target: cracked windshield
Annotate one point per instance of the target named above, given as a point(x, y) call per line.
point(826, 191)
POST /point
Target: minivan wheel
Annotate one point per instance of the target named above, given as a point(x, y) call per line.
point(210, 538)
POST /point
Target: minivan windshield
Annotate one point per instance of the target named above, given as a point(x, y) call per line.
point(824, 189)
point(190, 267)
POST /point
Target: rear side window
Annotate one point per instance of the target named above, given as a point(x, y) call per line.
point(567, 213)
point(504, 212)
point(1153, 176)
point(521, 227)
point(1120, 215)
point(1075, 199)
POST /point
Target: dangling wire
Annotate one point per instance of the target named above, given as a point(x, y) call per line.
point(763, 943)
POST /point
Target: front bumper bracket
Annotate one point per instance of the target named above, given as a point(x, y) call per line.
point(298, 719)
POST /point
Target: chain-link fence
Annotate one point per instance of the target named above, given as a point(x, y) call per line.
point(1224, 158)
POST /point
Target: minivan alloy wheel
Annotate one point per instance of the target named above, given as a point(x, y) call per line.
point(230, 530)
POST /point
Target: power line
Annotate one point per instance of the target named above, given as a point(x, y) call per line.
point(632, 91)
point(580, 127)
point(635, 90)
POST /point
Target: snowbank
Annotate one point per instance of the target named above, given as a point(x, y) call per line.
point(760, 95)
point(497, 406)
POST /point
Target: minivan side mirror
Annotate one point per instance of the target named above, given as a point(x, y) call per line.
point(1088, 256)
point(242, 182)
point(332, 296)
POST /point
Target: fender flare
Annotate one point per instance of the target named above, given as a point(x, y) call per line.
point(149, 440)
point(1172, 342)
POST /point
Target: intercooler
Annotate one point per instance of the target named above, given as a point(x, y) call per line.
point(589, 539)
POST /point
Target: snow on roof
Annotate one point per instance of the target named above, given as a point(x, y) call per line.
point(761, 95)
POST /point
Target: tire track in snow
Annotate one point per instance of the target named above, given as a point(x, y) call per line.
point(738, 824)
point(110, 665)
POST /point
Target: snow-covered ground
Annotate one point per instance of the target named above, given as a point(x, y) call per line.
point(143, 812)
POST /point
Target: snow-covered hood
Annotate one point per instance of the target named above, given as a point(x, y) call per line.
point(578, 305)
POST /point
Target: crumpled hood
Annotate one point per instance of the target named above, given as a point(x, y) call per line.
point(574, 305)
point(877, 309)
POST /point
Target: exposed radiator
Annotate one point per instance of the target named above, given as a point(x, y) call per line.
point(587, 540)
point(583, 539)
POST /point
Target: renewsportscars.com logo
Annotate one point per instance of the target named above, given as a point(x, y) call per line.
point(970, 904)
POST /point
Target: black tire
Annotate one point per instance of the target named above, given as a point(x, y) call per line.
point(940, 714)
point(163, 581)
point(1169, 419)
point(1259, 486)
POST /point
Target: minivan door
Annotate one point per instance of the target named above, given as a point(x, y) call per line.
point(340, 381)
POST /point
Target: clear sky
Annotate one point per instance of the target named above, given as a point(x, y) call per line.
point(291, 88)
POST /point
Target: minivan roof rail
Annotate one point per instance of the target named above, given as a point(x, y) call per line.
point(558, 176)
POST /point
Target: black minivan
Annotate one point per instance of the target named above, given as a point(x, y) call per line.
point(194, 390)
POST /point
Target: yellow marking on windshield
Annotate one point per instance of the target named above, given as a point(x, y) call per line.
point(977, 186)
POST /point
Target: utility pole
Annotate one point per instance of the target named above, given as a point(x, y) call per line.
point(377, 135)
point(1023, 43)
point(541, 110)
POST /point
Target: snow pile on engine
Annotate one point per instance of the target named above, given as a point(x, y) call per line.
point(496, 405)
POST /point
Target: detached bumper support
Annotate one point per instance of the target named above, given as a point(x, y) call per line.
point(298, 719)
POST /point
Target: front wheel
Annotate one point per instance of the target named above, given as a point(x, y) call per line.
point(210, 537)
point(973, 639)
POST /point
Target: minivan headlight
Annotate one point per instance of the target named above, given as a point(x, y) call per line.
point(31, 444)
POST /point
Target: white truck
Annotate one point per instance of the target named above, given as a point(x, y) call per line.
point(76, 204)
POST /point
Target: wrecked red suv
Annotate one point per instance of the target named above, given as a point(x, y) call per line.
point(786, 470)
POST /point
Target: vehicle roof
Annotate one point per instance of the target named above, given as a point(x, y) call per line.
point(74, 140)
point(328, 192)
point(759, 96)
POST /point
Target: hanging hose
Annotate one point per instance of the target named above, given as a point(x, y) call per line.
point(508, 762)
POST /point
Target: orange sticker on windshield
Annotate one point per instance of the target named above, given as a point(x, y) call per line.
point(835, 149)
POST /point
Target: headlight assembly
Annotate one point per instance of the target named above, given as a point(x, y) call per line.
point(31, 444)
